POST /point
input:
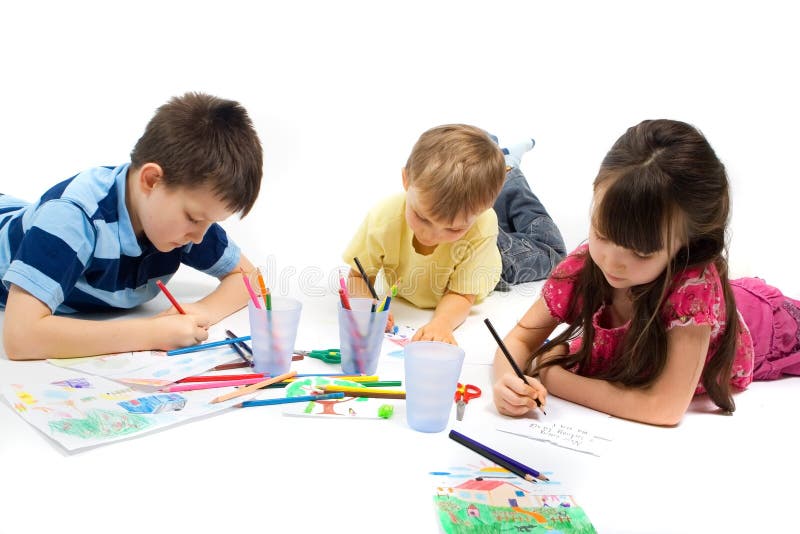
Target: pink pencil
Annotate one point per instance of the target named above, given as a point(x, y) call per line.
point(191, 386)
point(250, 290)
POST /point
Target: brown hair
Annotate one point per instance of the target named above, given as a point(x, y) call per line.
point(203, 141)
point(459, 167)
point(660, 175)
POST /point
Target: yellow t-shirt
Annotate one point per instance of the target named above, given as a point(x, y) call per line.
point(470, 266)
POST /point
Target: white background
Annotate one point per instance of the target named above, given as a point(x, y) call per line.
point(339, 92)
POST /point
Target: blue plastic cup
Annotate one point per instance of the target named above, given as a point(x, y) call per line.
point(273, 335)
point(361, 336)
point(432, 369)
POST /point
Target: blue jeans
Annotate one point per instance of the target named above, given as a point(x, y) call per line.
point(530, 243)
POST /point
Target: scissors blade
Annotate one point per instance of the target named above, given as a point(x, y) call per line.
point(460, 405)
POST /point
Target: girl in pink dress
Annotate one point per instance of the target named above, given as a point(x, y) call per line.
point(651, 316)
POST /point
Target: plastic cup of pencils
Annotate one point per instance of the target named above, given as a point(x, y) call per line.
point(361, 336)
point(273, 333)
point(432, 369)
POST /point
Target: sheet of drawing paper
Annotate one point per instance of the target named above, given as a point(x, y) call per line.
point(394, 342)
point(567, 425)
point(475, 495)
point(83, 411)
point(345, 408)
point(570, 436)
point(151, 367)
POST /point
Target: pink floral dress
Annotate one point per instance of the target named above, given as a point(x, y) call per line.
point(696, 298)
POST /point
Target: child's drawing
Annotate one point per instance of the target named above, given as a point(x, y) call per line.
point(347, 407)
point(487, 498)
point(84, 411)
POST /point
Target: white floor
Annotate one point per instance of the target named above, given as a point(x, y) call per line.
point(339, 92)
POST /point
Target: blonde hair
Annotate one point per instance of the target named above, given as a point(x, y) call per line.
point(457, 166)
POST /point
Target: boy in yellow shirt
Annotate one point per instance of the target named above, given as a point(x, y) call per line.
point(441, 238)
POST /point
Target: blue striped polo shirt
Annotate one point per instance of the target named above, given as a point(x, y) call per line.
point(75, 249)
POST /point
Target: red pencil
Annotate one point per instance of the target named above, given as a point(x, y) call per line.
point(217, 378)
point(174, 302)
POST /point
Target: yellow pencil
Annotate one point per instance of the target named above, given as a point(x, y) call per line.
point(253, 387)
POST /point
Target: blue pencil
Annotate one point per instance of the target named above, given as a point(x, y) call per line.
point(512, 465)
point(287, 400)
point(204, 346)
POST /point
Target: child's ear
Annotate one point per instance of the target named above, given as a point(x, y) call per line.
point(150, 175)
point(405, 179)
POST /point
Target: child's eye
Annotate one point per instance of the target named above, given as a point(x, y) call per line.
point(642, 256)
point(189, 218)
point(421, 218)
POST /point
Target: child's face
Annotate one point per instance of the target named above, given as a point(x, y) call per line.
point(428, 230)
point(623, 267)
point(172, 218)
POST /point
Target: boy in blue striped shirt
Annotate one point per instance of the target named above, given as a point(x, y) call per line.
point(101, 239)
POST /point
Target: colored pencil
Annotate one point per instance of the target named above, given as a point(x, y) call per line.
point(242, 344)
point(253, 387)
point(204, 346)
point(366, 279)
point(166, 292)
point(264, 290)
point(287, 400)
point(217, 378)
point(191, 386)
point(366, 392)
point(227, 366)
point(510, 359)
point(502, 460)
point(382, 383)
point(345, 299)
point(239, 351)
point(249, 288)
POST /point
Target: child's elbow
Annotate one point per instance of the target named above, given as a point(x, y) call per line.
point(18, 347)
point(663, 412)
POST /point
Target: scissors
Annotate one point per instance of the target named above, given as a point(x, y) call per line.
point(326, 355)
point(464, 393)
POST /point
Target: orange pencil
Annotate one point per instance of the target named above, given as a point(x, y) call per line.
point(253, 387)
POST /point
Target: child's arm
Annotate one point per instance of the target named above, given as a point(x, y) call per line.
point(228, 297)
point(32, 332)
point(662, 403)
point(449, 314)
point(512, 396)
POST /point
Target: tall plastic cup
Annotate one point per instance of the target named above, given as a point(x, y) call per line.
point(361, 336)
point(273, 334)
point(432, 369)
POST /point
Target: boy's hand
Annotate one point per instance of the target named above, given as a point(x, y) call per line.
point(514, 397)
point(435, 331)
point(173, 331)
point(198, 310)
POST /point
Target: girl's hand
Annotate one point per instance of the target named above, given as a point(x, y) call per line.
point(434, 331)
point(514, 397)
point(173, 331)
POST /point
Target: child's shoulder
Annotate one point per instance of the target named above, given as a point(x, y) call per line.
point(92, 188)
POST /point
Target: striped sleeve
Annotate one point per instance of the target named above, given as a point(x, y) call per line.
point(53, 252)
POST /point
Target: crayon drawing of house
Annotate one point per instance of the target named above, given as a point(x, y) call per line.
point(493, 493)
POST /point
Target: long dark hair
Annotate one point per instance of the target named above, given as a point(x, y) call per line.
point(661, 174)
